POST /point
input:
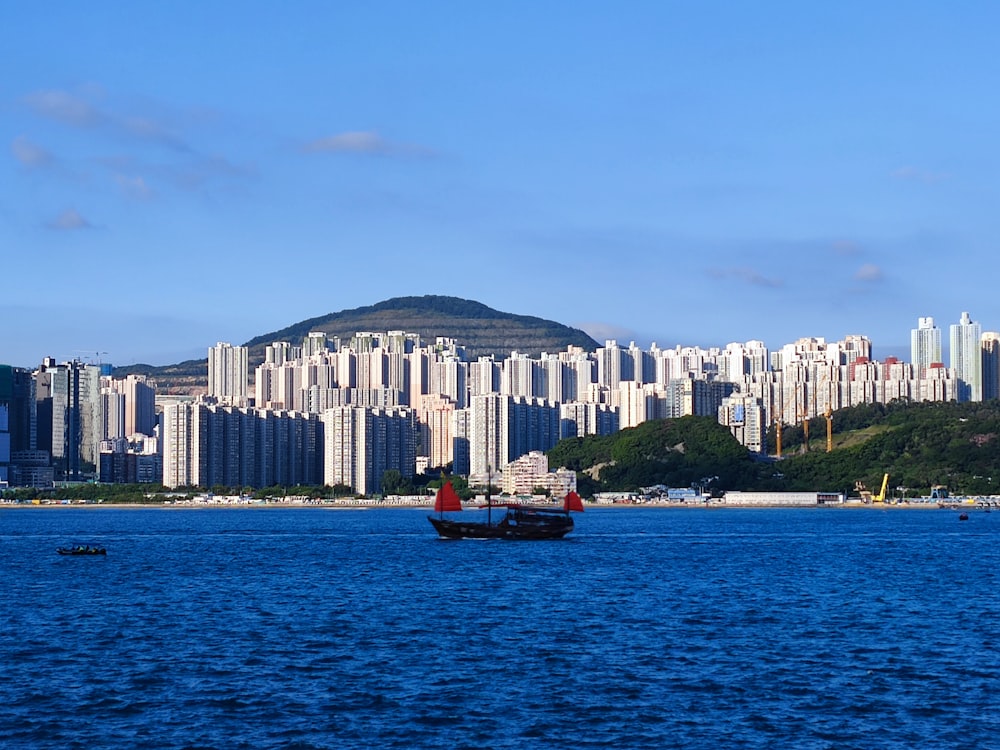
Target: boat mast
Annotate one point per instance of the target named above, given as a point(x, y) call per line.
point(486, 451)
point(489, 500)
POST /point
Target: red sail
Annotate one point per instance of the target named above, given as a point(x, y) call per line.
point(573, 502)
point(447, 499)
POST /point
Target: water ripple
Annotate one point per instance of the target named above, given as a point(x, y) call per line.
point(647, 629)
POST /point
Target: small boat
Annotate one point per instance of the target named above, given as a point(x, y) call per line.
point(963, 516)
point(516, 522)
point(82, 549)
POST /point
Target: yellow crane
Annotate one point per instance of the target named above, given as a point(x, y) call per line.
point(867, 496)
point(829, 430)
point(880, 497)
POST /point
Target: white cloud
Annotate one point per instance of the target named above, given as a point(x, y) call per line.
point(64, 107)
point(29, 154)
point(869, 272)
point(846, 248)
point(913, 174)
point(134, 187)
point(364, 142)
point(69, 220)
point(79, 111)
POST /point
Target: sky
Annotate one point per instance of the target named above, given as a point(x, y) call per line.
point(693, 173)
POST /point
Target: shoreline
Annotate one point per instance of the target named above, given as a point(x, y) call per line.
point(354, 505)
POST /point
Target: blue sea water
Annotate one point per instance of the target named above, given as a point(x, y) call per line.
point(647, 628)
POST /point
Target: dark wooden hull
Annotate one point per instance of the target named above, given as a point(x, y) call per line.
point(549, 528)
point(81, 552)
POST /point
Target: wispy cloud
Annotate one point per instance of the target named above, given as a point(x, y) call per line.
point(134, 187)
point(846, 248)
point(69, 220)
point(913, 174)
point(64, 107)
point(81, 111)
point(151, 131)
point(869, 273)
point(600, 331)
point(29, 154)
point(746, 275)
point(191, 173)
point(364, 142)
point(152, 145)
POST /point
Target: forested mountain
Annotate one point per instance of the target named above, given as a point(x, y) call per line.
point(918, 444)
point(481, 330)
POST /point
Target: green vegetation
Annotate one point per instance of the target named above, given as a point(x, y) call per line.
point(918, 444)
point(675, 452)
point(93, 493)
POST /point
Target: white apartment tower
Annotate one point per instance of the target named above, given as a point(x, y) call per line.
point(925, 345)
point(228, 374)
point(967, 358)
point(744, 416)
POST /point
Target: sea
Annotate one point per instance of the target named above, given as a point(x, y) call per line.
point(646, 628)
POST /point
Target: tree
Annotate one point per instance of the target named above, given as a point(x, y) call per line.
point(392, 481)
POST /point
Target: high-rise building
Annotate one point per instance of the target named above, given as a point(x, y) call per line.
point(6, 397)
point(315, 342)
point(435, 422)
point(503, 428)
point(967, 358)
point(228, 374)
point(578, 419)
point(744, 417)
point(17, 419)
point(73, 393)
point(925, 345)
point(613, 364)
point(208, 445)
point(129, 407)
point(181, 433)
point(361, 444)
point(991, 365)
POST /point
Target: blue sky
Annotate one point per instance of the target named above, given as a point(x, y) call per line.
point(686, 173)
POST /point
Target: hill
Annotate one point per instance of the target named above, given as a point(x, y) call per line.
point(674, 452)
point(481, 330)
point(918, 444)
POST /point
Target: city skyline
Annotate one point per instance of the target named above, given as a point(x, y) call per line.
point(386, 399)
point(902, 353)
point(684, 175)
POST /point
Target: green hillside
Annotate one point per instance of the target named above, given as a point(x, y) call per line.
point(919, 445)
point(675, 452)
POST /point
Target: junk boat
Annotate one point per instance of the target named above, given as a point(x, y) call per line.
point(516, 522)
point(82, 549)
